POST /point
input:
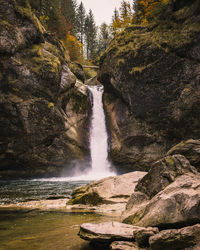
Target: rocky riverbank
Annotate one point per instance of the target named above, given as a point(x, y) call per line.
point(158, 209)
point(161, 207)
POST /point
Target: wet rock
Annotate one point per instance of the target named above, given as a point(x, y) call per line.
point(124, 245)
point(107, 191)
point(114, 210)
point(58, 204)
point(142, 235)
point(163, 173)
point(177, 205)
point(109, 231)
point(174, 239)
point(190, 149)
point(151, 79)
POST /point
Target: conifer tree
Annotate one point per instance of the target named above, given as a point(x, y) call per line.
point(116, 23)
point(125, 13)
point(80, 22)
point(90, 35)
point(104, 37)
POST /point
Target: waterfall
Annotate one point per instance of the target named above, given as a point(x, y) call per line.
point(98, 136)
point(100, 166)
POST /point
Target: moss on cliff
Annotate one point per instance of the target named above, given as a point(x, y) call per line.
point(45, 60)
point(23, 8)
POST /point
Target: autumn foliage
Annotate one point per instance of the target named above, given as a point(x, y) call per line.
point(144, 10)
point(74, 47)
point(141, 12)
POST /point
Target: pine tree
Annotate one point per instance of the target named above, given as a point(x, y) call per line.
point(104, 37)
point(125, 13)
point(115, 15)
point(80, 21)
point(90, 35)
point(116, 23)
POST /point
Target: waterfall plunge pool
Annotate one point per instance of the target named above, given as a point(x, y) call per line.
point(34, 229)
point(54, 229)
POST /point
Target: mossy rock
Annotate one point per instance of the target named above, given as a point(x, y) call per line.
point(92, 198)
point(77, 70)
point(46, 61)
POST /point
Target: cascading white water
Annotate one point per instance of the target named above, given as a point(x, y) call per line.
point(100, 166)
point(98, 136)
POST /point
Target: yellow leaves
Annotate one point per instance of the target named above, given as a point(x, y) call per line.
point(44, 20)
point(125, 18)
point(145, 10)
point(74, 47)
point(116, 24)
point(51, 105)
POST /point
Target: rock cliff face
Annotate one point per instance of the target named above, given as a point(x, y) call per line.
point(44, 116)
point(151, 76)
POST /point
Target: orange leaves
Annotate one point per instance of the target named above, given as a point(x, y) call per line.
point(74, 47)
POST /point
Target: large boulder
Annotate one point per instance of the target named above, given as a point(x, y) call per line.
point(151, 79)
point(44, 117)
point(162, 173)
point(108, 232)
point(177, 205)
point(174, 239)
point(109, 190)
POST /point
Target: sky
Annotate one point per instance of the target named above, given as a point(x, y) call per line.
point(102, 9)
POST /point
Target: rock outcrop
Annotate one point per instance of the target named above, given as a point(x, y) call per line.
point(162, 173)
point(177, 205)
point(167, 198)
point(44, 116)
point(151, 79)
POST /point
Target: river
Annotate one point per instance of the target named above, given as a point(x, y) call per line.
point(34, 229)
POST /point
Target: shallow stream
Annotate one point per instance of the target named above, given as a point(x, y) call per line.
point(40, 230)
